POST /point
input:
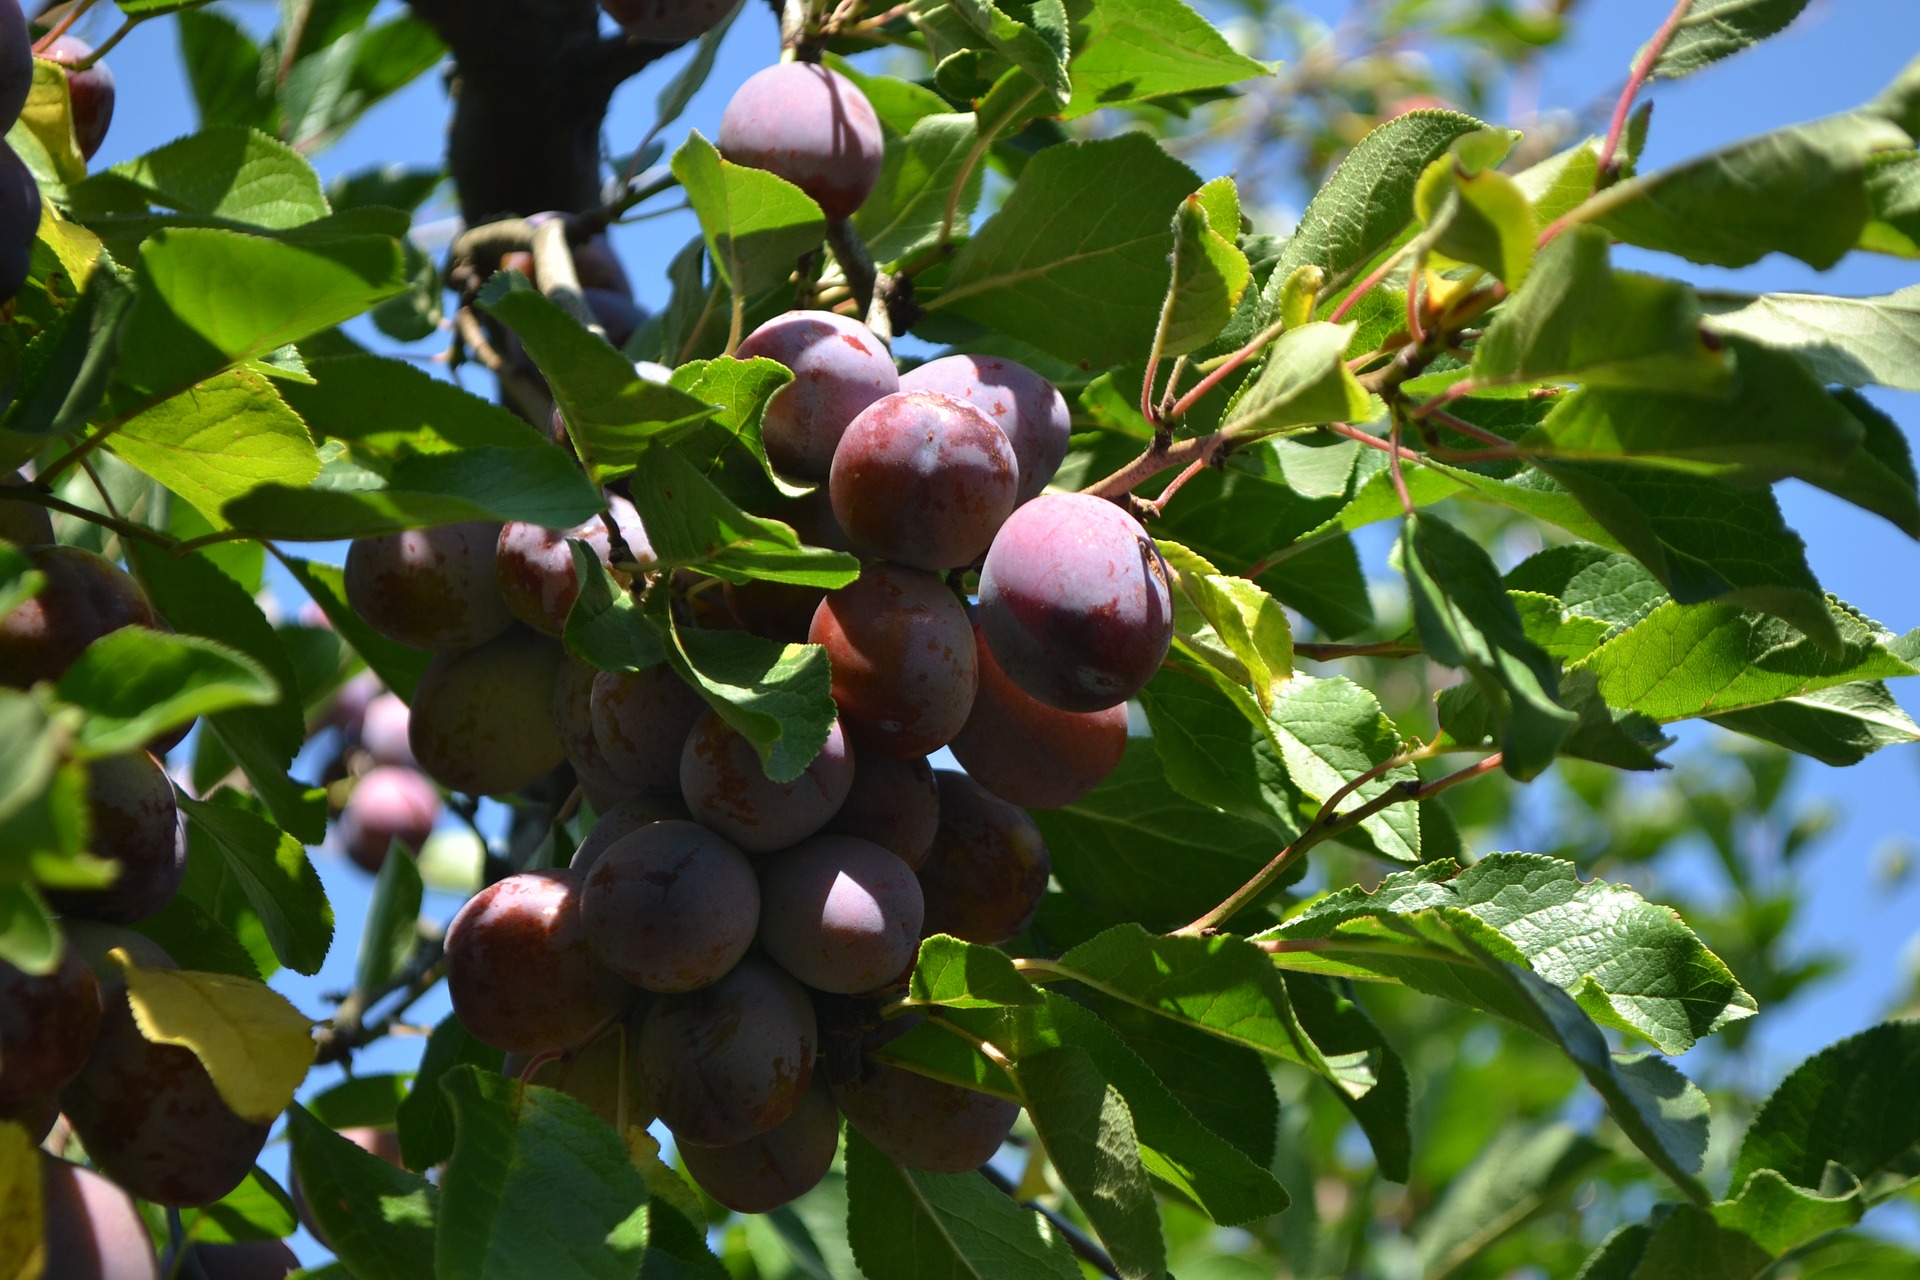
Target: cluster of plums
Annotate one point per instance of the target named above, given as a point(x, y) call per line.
point(91, 92)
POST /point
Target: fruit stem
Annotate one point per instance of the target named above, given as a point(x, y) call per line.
point(63, 26)
point(1642, 72)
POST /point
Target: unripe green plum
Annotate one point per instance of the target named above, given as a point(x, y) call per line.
point(902, 655)
point(430, 589)
point(923, 479)
point(1020, 402)
point(839, 368)
point(623, 819)
point(85, 597)
point(92, 1231)
point(894, 803)
point(1075, 602)
point(811, 126)
point(921, 1123)
point(48, 1023)
point(641, 722)
point(988, 868)
point(519, 969)
point(19, 222)
point(729, 1062)
point(1031, 754)
point(536, 573)
point(776, 1168)
point(246, 1260)
point(149, 1114)
point(727, 789)
point(483, 720)
point(670, 907)
point(841, 914)
point(134, 822)
point(91, 91)
point(667, 21)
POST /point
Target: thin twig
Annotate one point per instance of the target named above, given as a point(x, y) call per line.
point(1642, 71)
point(1368, 285)
point(1334, 652)
point(350, 1031)
point(1394, 452)
point(125, 528)
point(1226, 368)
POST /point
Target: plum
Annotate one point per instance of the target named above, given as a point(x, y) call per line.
point(134, 822)
point(1074, 602)
point(84, 597)
point(48, 1023)
point(782, 610)
point(670, 907)
point(92, 1230)
point(641, 721)
point(91, 91)
point(729, 1062)
point(535, 570)
point(776, 1168)
point(902, 657)
point(988, 868)
point(387, 804)
point(519, 969)
point(811, 126)
point(922, 1123)
point(573, 724)
point(727, 789)
point(923, 479)
point(19, 221)
point(839, 368)
point(894, 803)
point(16, 62)
point(1031, 754)
point(246, 1260)
point(1024, 405)
point(596, 1074)
point(623, 819)
point(667, 20)
point(429, 589)
point(383, 730)
point(24, 524)
point(839, 913)
point(483, 720)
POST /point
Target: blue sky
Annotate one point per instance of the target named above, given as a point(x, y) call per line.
point(1839, 54)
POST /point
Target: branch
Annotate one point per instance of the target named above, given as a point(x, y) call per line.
point(350, 1031)
point(39, 497)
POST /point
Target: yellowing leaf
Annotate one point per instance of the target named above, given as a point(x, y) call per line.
point(22, 1250)
point(252, 1041)
point(77, 248)
point(44, 132)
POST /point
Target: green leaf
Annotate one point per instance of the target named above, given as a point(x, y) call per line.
point(1561, 182)
point(1134, 849)
point(1695, 660)
point(378, 1219)
point(276, 877)
point(1218, 748)
point(1037, 46)
point(223, 69)
point(961, 975)
point(1364, 1072)
point(606, 628)
point(1133, 50)
point(196, 940)
point(778, 696)
point(135, 684)
point(388, 410)
point(692, 524)
point(1332, 731)
point(906, 1225)
point(223, 439)
point(258, 1209)
point(756, 225)
point(738, 391)
point(425, 1116)
point(1086, 220)
point(1856, 342)
point(43, 137)
point(64, 372)
point(1839, 726)
point(1848, 1105)
point(369, 1101)
point(1521, 1174)
point(1368, 202)
point(1716, 29)
point(1240, 630)
point(1577, 318)
point(1210, 273)
point(1801, 191)
point(611, 412)
point(30, 940)
point(1465, 619)
point(398, 666)
point(392, 923)
point(1893, 189)
point(1589, 581)
point(1629, 963)
point(1778, 1216)
point(1477, 214)
point(908, 205)
point(536, 1182)
point(225, 171)
point(1686, 1244)
point(1305, 381)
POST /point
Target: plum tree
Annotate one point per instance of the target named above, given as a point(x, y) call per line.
point(727, 789)
point(535, 570)
point(92, 1230)
point(641, 721)
point(1024, 405)
point(84, 597)
point(923, 479)
point(429, 588)
point(246, 1260)
point(483, 720)
point(48, 1023)
point(519, 969)
point(665, 20)
point(776, 1168)
point(149, 1114)
point(1031, 754)
point(624, 819)
point(730, 1061)
point(811, 126)
point(984, 877)
point(134, 822)
point(839, 368)
point(902, 656)
point(894, 802)
point(598, 1075)
point(1074, 602)
point(918, 1122)
point(19, 221)
point(387, 804)
point(91, 91)
point(839, 913)
point(16, 62)
point(670, 907)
